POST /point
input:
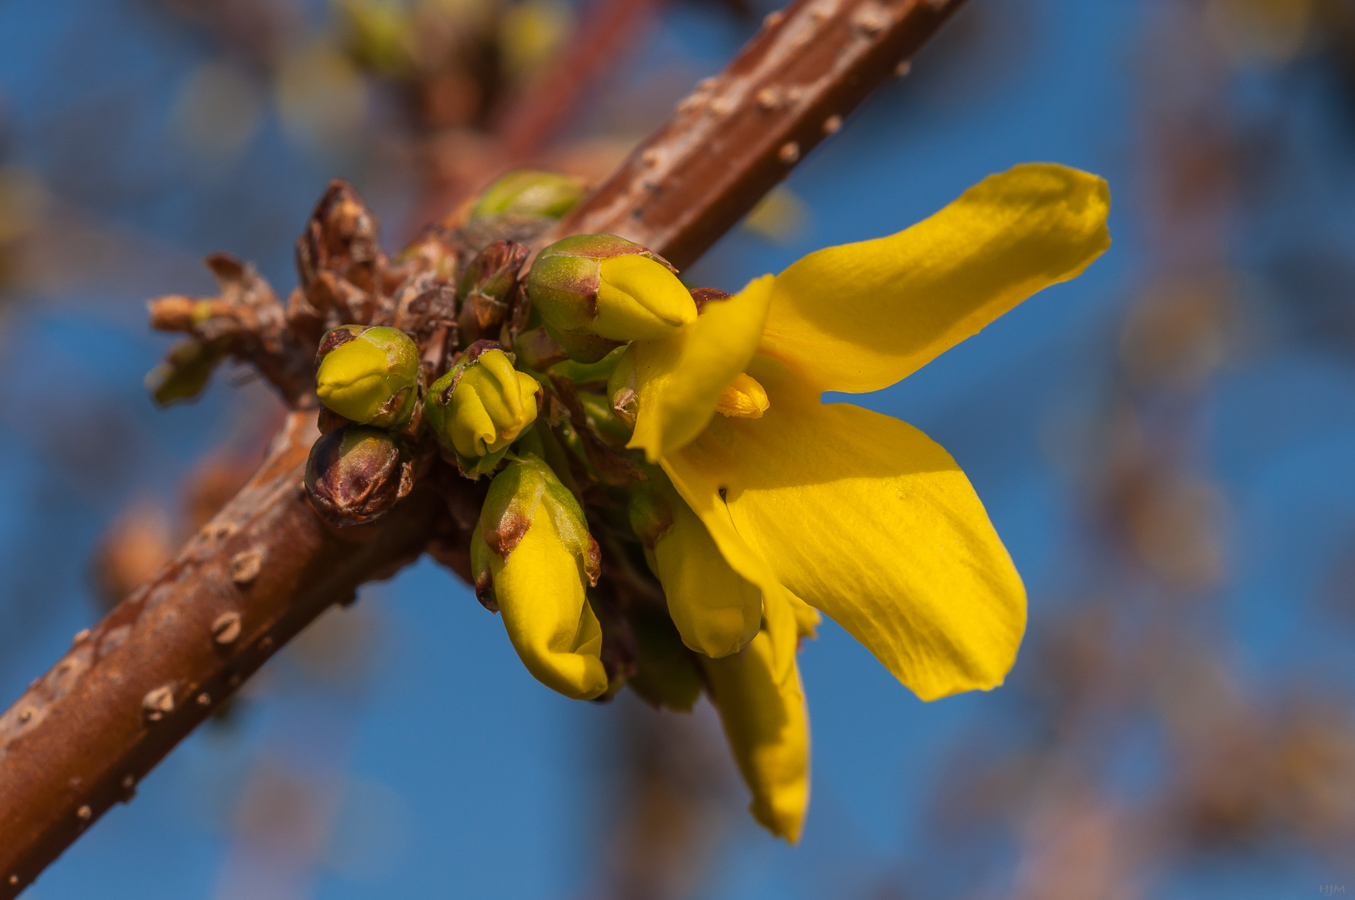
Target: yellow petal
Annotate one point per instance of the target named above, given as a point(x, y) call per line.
point(540, 592)
point(715, 610)
point(767, 726)
point(862, 316)
point(870, 521)
point(782, 627)
point(807, 618)
point(701, 497)
point(681, 378)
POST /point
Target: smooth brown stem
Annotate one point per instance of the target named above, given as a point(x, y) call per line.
point(82, 735)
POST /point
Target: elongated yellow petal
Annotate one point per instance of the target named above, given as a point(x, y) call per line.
point(870, 521)
point(862, 316)
point(715, 610)
point(700, 494)
point(540, 593)
point(681, 378)
point(767, 725)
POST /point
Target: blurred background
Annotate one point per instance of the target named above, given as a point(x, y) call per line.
point(1167, 445)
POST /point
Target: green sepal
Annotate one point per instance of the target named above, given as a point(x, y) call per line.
point(595, 373)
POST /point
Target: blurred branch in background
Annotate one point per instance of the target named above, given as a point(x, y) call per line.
point(672, 804)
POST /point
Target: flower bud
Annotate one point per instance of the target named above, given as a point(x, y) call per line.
point(481, 406)
point(184, 372)
point(527, 192)
point(488, 287)
point(533, 560)
point(369, 375)
point(355, 474)
point(603, 285)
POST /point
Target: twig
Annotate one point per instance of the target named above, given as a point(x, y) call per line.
point(599, 37)
point(740, 133)
point(82, 735)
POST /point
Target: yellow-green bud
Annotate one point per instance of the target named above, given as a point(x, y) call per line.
point(481, 406)
point(184, 372)
point(369, 375)
point(356, 473)
point(607, 287)
point(527, 192)
point(533, 559)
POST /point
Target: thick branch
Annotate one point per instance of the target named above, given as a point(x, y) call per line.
point(740, 133)
point(82, 735)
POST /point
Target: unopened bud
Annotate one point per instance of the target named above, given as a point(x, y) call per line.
point(356, 473)
point(528, 192)
point(603, 285)
point(369, 375)
point(184, 372)
point(488, 288)
point(481, 406)
point(532, 559)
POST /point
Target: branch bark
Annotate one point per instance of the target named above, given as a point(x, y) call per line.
point(83, 735)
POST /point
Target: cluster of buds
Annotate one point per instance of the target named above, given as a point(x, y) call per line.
point(456, 368)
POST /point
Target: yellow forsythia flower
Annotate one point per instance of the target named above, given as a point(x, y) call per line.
point(855, 513)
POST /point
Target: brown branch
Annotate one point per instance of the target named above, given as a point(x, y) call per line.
point(82, 735)
point(601, 35)
point(739, 134)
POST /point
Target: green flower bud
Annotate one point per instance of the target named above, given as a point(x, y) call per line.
point(184, 372)
point(527, 192)
point(488, 288)
point(533, 560)
point(369, 375)
point(481, 406)
point(608, 287)
point(355, 474)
